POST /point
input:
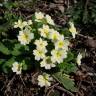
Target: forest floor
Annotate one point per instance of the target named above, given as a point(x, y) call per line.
point(85, 77)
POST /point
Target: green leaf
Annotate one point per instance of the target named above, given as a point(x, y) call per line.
point(4, 49)
point(3, 29)
point(65, 32)
point(16, 50)
point(24, 65)
point(65, 81)
point(5, 26)
point(8, 64)
point(19, 49)
point(1, 61)
point(67, 67)
point(70, 57)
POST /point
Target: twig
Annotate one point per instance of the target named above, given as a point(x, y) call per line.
point(48, 94)
point(63, 94)
point(79, 86)
point(86, 5)
point(91, 82)
point(85, 8)
point(84, 36)
point(62, 89)
point(22, 80)
point(68, 4)
point(10, 81)
point(34, 76)
point(50, 88)
point(91, 74)
point(8, 85)
point(29, 16)
point(54, 85)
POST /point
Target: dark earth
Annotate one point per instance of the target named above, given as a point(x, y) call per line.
point(85, 77)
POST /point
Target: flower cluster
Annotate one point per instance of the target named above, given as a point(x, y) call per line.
point(39, 17)
point(25, 35)
point(48, 56)
point(57, 54)
point(40, 50)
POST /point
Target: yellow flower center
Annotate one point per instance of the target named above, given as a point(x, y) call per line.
point(40, 52)
point(46, 31)
point(41, 44)
point(54, 37)
point(18, 67)
point(58, 54)
point(24, 37)
point(61, 44)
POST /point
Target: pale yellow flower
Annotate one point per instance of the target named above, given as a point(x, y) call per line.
point(29, 22)
point(62, 44)
point(58, 55)
point(44, 32)
point(39, 16)
point(49, 20)
point(16, 67)
point(79, 57)
point(25, 36)
point(72, 29)
point(21, 24)
point(54, 35)
point(41, 44)
point(47, 63)
point(44, 80)
point(39, 54)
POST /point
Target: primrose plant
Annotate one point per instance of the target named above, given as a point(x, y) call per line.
point(49, 47)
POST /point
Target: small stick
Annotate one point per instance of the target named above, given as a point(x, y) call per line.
point(84, 36)
point(22, 80)
point(91, 74)
point(62, 89)
point(10, 81)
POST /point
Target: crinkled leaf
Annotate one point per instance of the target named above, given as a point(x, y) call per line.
point(1, 61)
point(7, 65)
point(65, 32)
point(67, 67)
point(65, 81)
point(16, 52)
point(4, 49)
point(18, 49)
point(70, 56)
point(24, 65)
